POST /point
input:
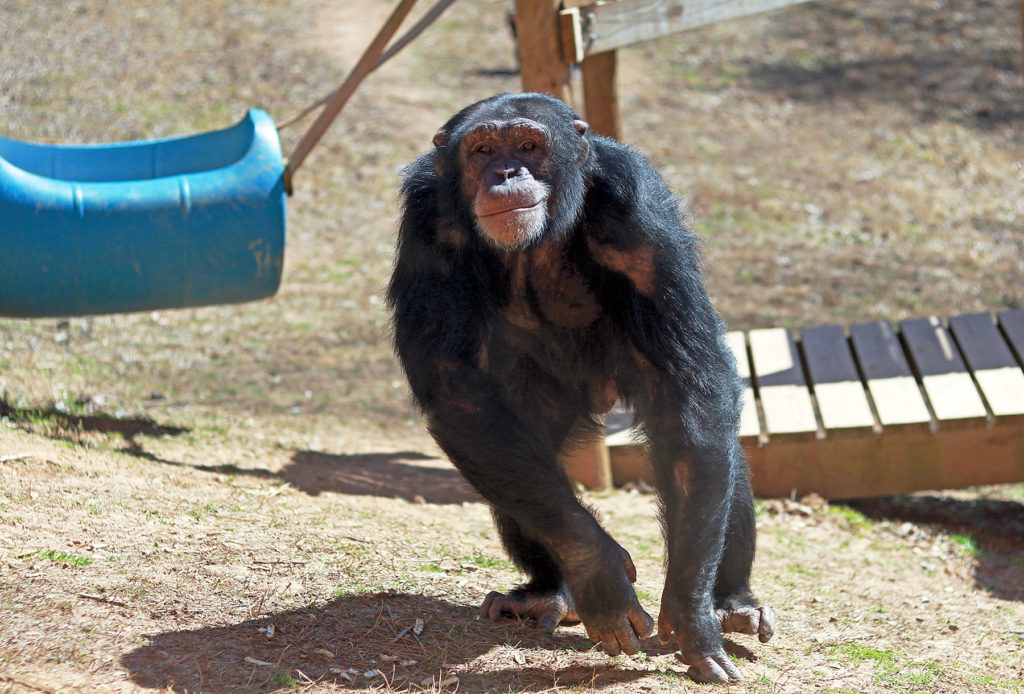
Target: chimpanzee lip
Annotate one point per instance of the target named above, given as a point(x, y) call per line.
point(511, 210)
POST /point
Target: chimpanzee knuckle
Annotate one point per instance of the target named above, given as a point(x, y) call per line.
point(643, 623)
point(628, 639)
point(610, 643)
point(485, 607)
point(714, 669)
point(766, 629)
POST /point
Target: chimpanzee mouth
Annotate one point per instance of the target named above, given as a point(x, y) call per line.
point(519, 209)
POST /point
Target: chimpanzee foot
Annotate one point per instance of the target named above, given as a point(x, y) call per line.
point(748, 620)
point(714, 669)
point(549, 608)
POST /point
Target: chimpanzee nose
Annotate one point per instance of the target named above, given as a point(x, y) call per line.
point(505, 174)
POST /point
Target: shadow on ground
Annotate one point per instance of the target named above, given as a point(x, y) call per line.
point(360, 642)
point(954, 69)
point(404, 475)
point(996, 528)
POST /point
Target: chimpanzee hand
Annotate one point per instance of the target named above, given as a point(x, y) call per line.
point(609, 610)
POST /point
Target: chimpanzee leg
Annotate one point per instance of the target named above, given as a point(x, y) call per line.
point(545, 597)
point(737, 609)
point(513, 463)
point(697, 466)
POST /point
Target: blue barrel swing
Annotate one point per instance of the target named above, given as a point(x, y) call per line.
point(171, 223)
point(143, 225)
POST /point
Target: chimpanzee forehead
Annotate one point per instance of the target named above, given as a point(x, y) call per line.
point(513, 128)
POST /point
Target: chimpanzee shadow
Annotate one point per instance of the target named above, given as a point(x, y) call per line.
point(405, 475)
point(995, 526)
point(343, 640)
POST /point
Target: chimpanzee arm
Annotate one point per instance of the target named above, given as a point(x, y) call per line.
point(682, 382)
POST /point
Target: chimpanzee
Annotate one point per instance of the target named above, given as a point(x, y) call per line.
point(542, 274)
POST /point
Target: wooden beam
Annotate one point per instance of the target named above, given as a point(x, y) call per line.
point(589, 465)
point(611, 25)
point(601, 94)
point(543, 67)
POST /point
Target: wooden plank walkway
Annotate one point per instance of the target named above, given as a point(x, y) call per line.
point(873, 409)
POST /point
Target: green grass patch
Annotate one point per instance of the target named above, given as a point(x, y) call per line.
point(891, 667)
point(63, 557)
point(856, 521)
point(966, 543)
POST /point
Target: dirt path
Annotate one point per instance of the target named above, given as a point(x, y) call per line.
point(239, 499)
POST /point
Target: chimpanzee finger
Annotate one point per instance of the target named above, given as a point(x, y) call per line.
point(665, 629)
point(551, 618)
point(610, 643)
point(485, 606)
point(627, 638)
point(630, 569)
point(715, 668)
point(643, 623)
point(767, 628)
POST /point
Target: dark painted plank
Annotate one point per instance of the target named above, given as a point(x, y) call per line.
point(842, 401)
point(892, 385)
point(981, 342)
point(1012, 323)
point(931, 347)
point(944, 376)
point(828, 354)
point(994, 367)
point(879, 351)
point(781, 385)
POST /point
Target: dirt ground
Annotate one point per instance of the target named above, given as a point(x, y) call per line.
point(240, 499)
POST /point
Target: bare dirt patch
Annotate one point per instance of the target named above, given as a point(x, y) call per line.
point(240, 499)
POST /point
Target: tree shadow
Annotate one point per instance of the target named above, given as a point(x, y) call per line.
point(361, 642)
point(951, 64)
point(58, 423)
point(995, 526)
point(404, 475)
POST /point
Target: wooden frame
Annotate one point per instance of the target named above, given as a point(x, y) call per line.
point(874, 410)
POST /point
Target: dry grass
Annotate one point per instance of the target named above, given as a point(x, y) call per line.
point(172, 484)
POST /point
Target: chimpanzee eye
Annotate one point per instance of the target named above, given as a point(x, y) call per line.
point(529, 146)
point(484, 149)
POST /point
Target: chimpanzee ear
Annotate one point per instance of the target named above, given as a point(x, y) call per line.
point(582, 126)
point(439, 138)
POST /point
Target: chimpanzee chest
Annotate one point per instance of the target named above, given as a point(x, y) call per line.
point(547, 289)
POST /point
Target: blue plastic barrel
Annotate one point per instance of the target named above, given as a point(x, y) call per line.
point(137, 226)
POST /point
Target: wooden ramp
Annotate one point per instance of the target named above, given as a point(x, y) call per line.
point(874, 409)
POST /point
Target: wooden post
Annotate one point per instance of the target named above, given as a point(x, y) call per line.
point(601, 94)
point(590, 465)
point(543, 69)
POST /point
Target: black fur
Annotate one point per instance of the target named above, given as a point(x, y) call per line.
point(503, 395)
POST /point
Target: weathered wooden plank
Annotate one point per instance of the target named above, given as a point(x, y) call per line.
point(619, 427)
point(601, 94)
point(540, 52)
point(842, 401)
point(893, 388)
point(952, 393)
point(1012, 323)
point(989, 358)
point(786, 402)
point(589, 464)
point(612, 25)
point(749, 424)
